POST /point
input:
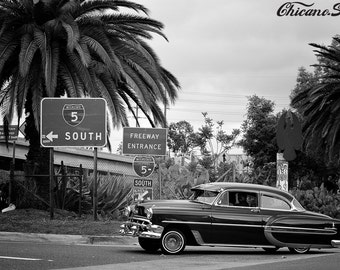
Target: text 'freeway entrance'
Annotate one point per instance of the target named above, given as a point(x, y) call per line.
point(144, 141)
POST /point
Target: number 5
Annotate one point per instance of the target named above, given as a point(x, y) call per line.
point(144, 170)
point(74, 116)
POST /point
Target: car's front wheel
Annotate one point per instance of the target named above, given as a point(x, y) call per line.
point(173, 242)
point(299, 250)
point(149, 245)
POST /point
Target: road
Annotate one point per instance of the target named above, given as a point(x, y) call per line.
point(36, 256)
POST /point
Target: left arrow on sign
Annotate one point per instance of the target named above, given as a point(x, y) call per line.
point(51, 136)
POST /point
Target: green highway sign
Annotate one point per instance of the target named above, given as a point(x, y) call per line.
point(144, 141)
point(12, 133)
point(68, 122)
point(143, 166)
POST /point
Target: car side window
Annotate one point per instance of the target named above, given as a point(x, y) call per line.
point(274, 203)
point(244, 199)
point(223, 200)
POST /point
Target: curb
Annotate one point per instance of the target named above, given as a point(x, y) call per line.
point(67, 238)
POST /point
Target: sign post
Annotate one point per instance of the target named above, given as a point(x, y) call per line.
point(51, 165)
point(77, 122)
point(95, 184)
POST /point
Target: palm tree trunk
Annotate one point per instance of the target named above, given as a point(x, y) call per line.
point(37, 157)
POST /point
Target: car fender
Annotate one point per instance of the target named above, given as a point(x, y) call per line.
point(299, 230)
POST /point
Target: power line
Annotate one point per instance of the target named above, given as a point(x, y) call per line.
point(215, 102)
point(231, 95)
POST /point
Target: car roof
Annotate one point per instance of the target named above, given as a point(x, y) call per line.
point(218, 186)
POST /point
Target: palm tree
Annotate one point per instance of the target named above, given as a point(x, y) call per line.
point(79, 48)
point(319, 104)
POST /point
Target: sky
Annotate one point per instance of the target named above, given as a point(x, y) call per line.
point(223, 51)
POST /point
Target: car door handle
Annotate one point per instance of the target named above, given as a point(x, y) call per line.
point(255, 210)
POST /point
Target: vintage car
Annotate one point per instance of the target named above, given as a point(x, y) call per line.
point(230, 214)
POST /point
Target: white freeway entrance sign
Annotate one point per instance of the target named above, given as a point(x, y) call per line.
point(73, 122)
point(144, 141)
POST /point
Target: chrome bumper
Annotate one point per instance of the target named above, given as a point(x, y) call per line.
point(335, 243)
point(140, 227)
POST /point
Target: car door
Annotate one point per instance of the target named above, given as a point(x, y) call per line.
point(234, 223)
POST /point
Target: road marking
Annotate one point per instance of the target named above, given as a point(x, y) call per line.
point(20, 258)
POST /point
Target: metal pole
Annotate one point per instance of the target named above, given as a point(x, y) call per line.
point(51, 183)
point(234, 171)
point(11, 176)
point(160, 181)
point(95, 199)
point(80, 188)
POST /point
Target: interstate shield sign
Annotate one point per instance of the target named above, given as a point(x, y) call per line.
point(73, 114)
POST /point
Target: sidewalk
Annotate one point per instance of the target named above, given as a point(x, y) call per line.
point(68, 239)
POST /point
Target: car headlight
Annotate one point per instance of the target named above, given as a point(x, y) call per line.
point(149, 213)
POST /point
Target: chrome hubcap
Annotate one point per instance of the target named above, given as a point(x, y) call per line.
point(173, 242)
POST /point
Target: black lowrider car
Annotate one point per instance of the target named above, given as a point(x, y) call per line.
point(230, 214)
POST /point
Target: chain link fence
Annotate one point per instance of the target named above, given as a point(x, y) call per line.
point(115, 179)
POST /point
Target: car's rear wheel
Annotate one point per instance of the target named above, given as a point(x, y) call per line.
point(149, 245)
point(303, 250)
point(173, 242)
point(271, 250)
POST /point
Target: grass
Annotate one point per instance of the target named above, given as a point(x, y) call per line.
point(38, 221)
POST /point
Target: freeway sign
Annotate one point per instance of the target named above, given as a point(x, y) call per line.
point(143, 165)
point(142, 189)
point(73, 122)
point(144, 141)
point(12, 133)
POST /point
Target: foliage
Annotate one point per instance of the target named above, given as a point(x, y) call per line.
point(79, 49)
point(206, 162)
point(263, 175)
point(214, 142)
point(113, 194)
point(260, 144)
point(305, 80)
point(211, 141)
point(259, 131)
point(178, 180)
point(226, 172)
point(67, 197)
point(319, 200)
point(181, 137)
point(318, 103)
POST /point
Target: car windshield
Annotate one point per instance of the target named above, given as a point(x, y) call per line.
point(204, 196)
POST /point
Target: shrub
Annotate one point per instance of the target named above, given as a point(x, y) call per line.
point(113, 194)
point(319, 200)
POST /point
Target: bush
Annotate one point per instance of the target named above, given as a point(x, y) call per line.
point(319, 200)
